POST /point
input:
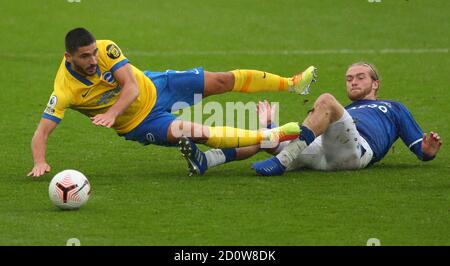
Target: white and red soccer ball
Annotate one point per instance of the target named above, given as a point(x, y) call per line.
point(69, 189)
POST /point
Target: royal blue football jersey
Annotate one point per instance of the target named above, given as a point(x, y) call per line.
point(382, 122)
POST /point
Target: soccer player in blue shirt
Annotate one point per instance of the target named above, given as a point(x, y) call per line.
point(334, 137)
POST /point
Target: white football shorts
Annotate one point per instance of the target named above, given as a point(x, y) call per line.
point(341, 147)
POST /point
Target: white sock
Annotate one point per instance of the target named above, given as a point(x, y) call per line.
point(281, 146)
point(291, 151)
point(215, 157)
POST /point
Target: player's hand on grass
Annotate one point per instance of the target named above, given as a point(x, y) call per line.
point(266, 113)
point(104, 120)
point(431, 144)
point(39, 169)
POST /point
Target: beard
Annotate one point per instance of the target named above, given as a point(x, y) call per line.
point(85, 71)
point(358, 94)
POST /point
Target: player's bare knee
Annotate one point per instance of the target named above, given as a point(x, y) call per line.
point(225, 80)
point(328, 103)
point(325, 101)
point(218, 82)
point(328, 100)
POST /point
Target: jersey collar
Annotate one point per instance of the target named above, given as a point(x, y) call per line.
point(79, 77)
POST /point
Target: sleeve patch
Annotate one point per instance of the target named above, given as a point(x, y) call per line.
point(113, 51)
point(53, 101)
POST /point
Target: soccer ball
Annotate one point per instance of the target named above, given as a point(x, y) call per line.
point(69, 190)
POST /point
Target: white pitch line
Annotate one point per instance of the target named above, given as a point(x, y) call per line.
point(254, 52)
point(291, 52)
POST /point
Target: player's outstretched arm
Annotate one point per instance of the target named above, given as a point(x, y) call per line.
point(39, 145)
point(431, 144)
point(128, 95)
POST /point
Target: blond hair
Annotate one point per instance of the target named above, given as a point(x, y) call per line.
point(372, 69)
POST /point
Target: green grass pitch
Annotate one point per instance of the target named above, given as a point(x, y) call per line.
point(142, 196)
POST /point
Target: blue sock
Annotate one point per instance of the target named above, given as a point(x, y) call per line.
point(230, 154)
point(306, 135)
